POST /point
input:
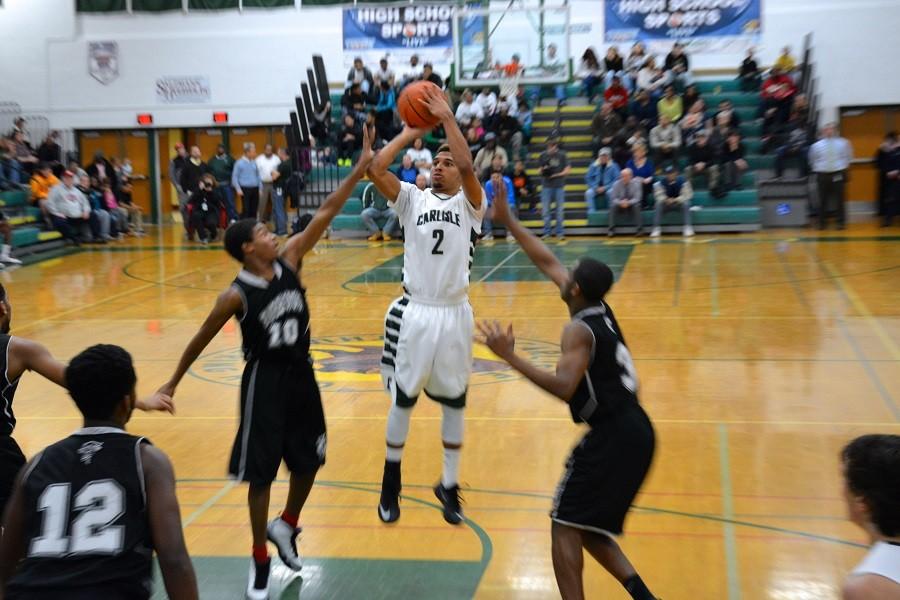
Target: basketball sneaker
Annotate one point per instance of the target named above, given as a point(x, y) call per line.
point(280, 533)
point(389, 505)
point(258, 580)
point(449, 497)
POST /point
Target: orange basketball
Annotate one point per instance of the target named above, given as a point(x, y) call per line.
point(413, 112)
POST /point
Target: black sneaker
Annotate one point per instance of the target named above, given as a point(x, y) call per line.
point(449, 497)
point(258, 580)
point(389, 505)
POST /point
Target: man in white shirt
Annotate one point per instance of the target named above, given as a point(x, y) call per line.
point(267, 165)
point(69, 210)
point(468, 109)
point(421, 157)
point(829, 159)
point(487, 99)
point(871, 483)
point(384, 73)
point(413, 69)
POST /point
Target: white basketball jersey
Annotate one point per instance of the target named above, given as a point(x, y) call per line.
point(439, 242)
point(883, 559)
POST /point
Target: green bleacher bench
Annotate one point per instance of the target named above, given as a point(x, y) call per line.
point(14, 198)
point(26, 236)
point(718, 85)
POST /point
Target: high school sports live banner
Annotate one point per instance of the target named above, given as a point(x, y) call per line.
point(720, 25)
point(400, 31)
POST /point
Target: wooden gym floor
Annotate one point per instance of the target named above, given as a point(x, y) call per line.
point(759, 356)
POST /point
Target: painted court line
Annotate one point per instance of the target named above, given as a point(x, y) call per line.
point(499, 265)
point(209, 503)
point(731, 558)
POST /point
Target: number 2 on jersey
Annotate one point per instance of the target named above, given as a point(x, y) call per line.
point(437, 234)
point(629, 377)
point(99, 503)
point(283, 334)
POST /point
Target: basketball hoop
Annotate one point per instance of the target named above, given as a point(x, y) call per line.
point(509, 84)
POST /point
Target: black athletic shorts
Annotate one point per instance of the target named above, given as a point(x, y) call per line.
point(281, 418)
point(11, 462)
point(605, 472)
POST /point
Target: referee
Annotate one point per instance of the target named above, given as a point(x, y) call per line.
point(829, 159)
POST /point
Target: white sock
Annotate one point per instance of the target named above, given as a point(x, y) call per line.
point(397, 431)
point(4, 251)
point(451, 433)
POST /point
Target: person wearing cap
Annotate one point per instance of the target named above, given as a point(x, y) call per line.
point(69, 210)
point(485, 156)
point(625, 197)
point(672, 192)
point(221, 166)
point(600, 177)
point(555, 168)
point(702, 161)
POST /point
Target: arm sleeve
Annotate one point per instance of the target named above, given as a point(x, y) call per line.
point(401, 204)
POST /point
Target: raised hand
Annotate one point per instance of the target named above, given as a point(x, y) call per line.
point(158, 401)
point(501, 202)
point(367, 154)
point(436, 103)
point(502, 343)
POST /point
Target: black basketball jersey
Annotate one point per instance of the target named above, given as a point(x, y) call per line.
point(610, 382)
point(275, 323)
point(86, 523)
point(7, 388)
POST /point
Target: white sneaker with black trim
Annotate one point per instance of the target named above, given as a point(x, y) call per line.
point(284, 537)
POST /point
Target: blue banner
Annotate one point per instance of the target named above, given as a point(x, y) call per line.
point(657, 20)
point(398, 27)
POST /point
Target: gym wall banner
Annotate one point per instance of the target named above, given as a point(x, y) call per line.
point(399, 31)
point(722, 25)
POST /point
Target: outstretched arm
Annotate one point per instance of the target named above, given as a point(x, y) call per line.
point(539, 254)
point(436, 102)
point(576, 356)
point(227, 305)
point(385, 181)
point(297, 247)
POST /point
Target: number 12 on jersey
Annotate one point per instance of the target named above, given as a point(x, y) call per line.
point(98, 504)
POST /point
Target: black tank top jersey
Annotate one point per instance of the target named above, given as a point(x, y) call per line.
point(86, 523)
point(7, 417)
point(275, 323)
point(610, 383)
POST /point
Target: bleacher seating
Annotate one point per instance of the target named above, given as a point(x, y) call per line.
point(27, 236)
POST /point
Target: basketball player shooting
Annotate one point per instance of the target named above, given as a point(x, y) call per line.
point(428, 330)
point(595, 376)
point(281, 410)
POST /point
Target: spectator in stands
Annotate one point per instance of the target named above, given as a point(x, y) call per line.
point(126, 201)
point(644, 110)
point(245, 181)
point(221, 166)
point(102, 169)
point(475, 136)
point(727, 114)
point(428, 74)
point(830, 159)
point(524, 188)
point(677, 66)
point(413, 70)
point(614, 65)
point(23, 155)
point(421, 181)
point(590, 72)
point(665, 141)
point(176, 166)
point(600, 177)
point(889, 167)
point(282, 190)
point(642, 168)
point(487, 100)
point(626, 195)
point(485, 157)
point(514, 67)
point(103, 229)
point(637, 57)
point(883, 160)
point(361, 75)
point(319, 125)
point(733, 161)
point(69, 210)
point(672, 192)
point(785, 62)
point(379, 210)
point(555, 168)
point(76, 168)
point(50, 152)
point(777, 95)
point(19, 126)
point(353, 102)
point(205, 207)
point(127, 168)
point(384, 73)
point(117, 214)
point(693, 122)
point(525, 118)
point(496, 181)
point(508, 130)
point(651, 79)
point(750, 75)
point(605, 127)
point(794, 144)
point(42, 182)
point(800, 107)
point(10, 176)
point(407, 171)
point(350, 140)
point(702, 161)
point(555, 67)
point(617, 95)
point(468, 109)
point(671, 105)
point(690, 96)
point(421, 157)
point(267, 165)
point(193, 170)
point(385, 111)
point(622, 148)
